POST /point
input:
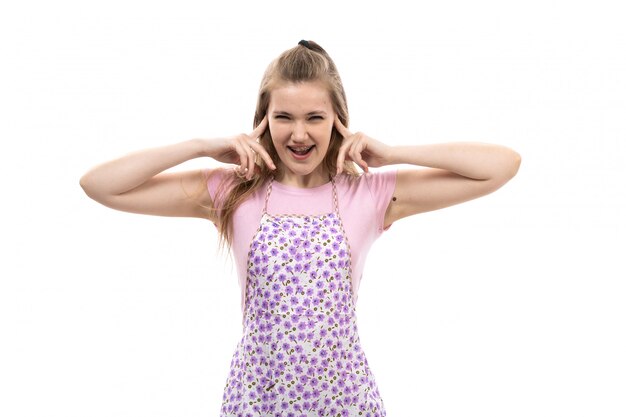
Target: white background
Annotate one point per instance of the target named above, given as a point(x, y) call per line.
point(509, 305)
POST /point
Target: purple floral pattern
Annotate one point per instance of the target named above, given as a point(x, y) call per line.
point(300, 354)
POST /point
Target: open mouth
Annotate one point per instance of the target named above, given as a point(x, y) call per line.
point(301, 151)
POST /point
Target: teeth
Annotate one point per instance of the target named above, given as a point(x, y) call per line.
point(301, 150)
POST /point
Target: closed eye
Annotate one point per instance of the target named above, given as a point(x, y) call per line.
point(286, 117)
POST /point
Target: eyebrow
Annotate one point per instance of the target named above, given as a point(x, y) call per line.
point(311, 113)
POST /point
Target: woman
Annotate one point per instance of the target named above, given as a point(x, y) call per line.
point(300, 220)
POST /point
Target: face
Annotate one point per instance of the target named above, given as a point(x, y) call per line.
point(301, 118)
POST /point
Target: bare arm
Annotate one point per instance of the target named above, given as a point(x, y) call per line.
point(137, 182)
point(456, 172)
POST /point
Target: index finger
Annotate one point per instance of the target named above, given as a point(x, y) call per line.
point(258, 131)
point(260, 151)
point(343, 131)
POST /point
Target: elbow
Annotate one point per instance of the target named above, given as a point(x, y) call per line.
point(508, 169)
point(84, 184)
point(516, 161)
point(88, 187)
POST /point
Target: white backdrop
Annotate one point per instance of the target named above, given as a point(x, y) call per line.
point(509, 305)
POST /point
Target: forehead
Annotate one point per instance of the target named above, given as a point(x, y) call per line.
point(300, 97)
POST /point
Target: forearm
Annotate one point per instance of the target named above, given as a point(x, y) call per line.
point(123, 174)
point(480, 161)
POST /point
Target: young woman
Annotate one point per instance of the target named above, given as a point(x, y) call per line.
point(300, 220)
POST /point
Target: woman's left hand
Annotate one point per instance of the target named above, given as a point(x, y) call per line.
point(360, 148)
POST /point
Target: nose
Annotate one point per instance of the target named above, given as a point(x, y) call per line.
point(299, 131)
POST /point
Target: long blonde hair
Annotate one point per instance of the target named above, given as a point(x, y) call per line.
point(306, 62)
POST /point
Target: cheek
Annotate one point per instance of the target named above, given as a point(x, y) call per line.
point(324, 133)
point(276, 132)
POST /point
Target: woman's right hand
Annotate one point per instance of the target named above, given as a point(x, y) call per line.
point(242, 150)
point(137, 182)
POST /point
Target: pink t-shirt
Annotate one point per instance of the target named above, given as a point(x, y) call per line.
point(362, 202)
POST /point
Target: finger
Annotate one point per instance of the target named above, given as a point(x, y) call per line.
point(251, 158)
point(341, 157)
point(343, 131)
point(258, 131)
point(243, 158)
point(260, 150)
point(355, 154)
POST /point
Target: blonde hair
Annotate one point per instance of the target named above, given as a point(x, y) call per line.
point(305, 62)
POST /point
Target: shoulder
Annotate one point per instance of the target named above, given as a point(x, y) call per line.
point(215, 175)
point(374, 181)
point(219, 182)
point(218, 177)
point(367, 197)
point(382, 178)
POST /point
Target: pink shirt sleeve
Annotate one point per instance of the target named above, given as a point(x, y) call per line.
point(381, 185)
point(217, 181)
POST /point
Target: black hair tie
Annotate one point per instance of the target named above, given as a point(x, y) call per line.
point(305, 44)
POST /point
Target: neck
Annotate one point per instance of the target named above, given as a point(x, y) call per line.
point(314, 179)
